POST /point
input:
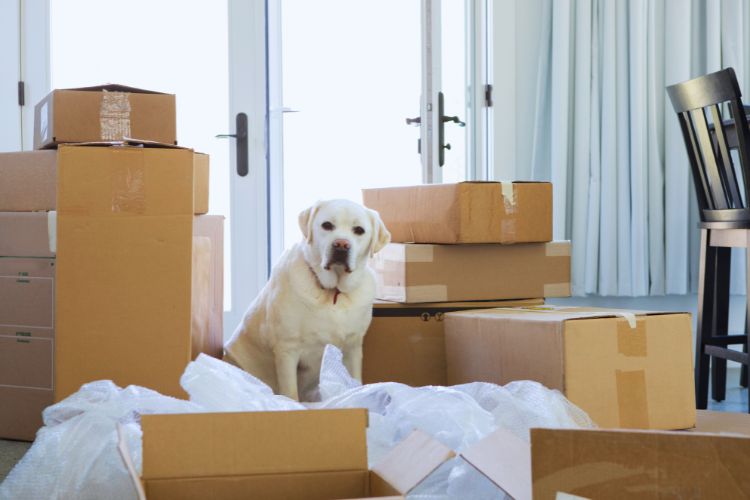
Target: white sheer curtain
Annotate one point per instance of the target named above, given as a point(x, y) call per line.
point(605, 134)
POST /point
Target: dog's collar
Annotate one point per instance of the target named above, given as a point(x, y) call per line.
point(336, 290)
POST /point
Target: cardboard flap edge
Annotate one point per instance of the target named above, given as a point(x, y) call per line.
point(412, 460)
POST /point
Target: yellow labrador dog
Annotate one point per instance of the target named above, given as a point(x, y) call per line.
point(320, 292)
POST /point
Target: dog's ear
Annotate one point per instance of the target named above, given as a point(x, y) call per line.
point(306, 218)
point(380, 236)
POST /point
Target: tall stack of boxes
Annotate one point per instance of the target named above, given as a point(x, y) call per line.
point(479, 242)
point(109, 267)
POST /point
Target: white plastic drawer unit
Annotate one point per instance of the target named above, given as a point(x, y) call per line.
point(27, 292)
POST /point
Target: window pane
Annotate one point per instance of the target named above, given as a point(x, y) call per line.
point(352, 70)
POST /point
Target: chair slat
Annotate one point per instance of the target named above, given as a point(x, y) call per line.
point(725, 163)
point(715, 184)
point(743, 140)
point(696, 164)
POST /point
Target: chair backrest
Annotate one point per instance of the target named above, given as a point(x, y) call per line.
point(714, 174)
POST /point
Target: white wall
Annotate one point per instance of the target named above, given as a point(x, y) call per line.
point(10, 113)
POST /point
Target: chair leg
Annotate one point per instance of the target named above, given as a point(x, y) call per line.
point(706, 283)
point(747, 319)
point(721, 321)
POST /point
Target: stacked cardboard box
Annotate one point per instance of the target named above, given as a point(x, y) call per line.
point(109, 268)
point(455, 247)
point(491, 241)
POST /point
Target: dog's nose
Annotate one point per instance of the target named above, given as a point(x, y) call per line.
point(341, 244)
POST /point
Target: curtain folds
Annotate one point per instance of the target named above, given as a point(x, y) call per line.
point(605, 134)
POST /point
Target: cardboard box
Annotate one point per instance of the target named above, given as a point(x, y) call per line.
point(104, 113)
point(414, 273)
point(200, 183)
point(27, 234)
point(626, 369)
point(28, 181)
point(129, 259)
point(467, 212)
point(619, 464)
point(311, 454)
point(406, 342)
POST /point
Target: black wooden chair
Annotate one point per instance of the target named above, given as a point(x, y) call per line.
point(723, 192)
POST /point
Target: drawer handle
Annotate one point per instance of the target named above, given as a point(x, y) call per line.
point(24, 341)
point(23, 334)
point(23, 280)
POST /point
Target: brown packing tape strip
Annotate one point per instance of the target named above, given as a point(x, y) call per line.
point(632, 399)
point(114, 116)
point(632, 390)
point(557, 249)
point(556, 289)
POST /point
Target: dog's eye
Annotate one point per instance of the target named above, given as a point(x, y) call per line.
point(359, 230)
point(327, 226)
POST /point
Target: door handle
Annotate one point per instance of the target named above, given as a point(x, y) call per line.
point(442, 146)
point(241, 136)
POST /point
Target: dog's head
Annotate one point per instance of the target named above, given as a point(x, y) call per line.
point(342, 234)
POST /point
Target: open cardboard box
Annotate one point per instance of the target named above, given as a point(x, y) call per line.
point(710, 461)
point(310, 454)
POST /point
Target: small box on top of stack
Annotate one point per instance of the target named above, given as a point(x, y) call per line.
point(455, 247)
point(96, 238)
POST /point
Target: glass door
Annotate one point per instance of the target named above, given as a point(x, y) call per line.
point(352, 81)
point(208, 53)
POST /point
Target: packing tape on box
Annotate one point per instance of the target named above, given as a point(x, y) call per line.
point(114, 116)
point(52, 231)
point(129, 188)
point(509, 196)
point(557, 289)
point(557, 249)
point(626, 315)
point(632, 391)
point(632, 398)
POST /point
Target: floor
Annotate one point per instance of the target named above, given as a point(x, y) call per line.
point(736, 397)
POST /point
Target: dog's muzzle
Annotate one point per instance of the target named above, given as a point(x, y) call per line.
point(339, 255)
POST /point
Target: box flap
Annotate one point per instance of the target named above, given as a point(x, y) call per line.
point(477, 304)
point(124, 450)
point(230, 444)
point(505, 459)
point(504, 182)
point(550, 313)
point(720, 422)
point(596, 463)
point(115, 87)
point(126, 142)
point(412, 460)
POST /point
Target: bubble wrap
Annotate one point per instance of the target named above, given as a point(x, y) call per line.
point(75, 455)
